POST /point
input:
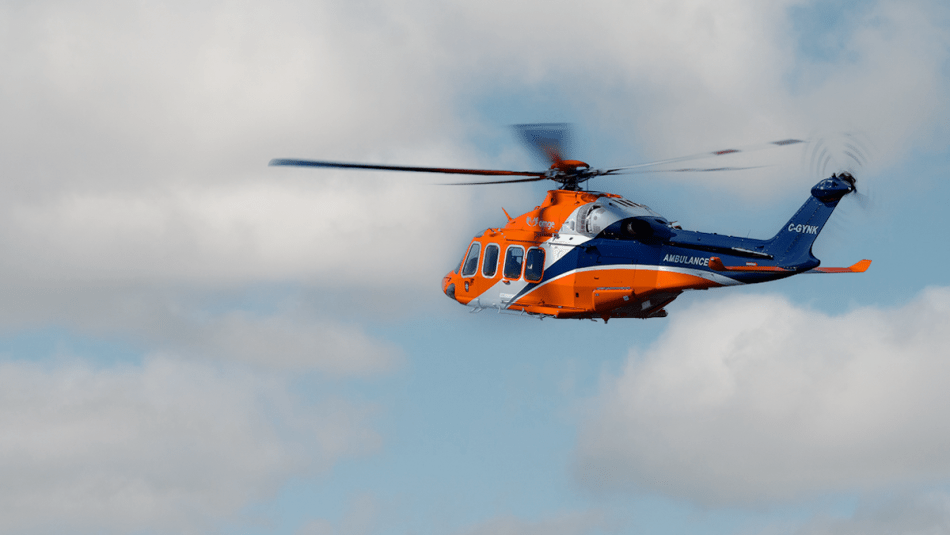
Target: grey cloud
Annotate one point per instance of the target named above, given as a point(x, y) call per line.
point(923, 513)
point(277, 334)
point(567, 523)
point(169, 446)
point(753, 399)
point(288, 343)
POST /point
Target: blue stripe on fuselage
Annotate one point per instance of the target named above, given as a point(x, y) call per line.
point(610, 253)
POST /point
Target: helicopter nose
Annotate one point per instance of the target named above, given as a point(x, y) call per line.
point(448, 286)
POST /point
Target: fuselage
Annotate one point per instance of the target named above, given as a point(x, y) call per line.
point(598, 255)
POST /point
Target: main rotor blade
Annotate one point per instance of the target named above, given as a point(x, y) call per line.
point(749, 148)
point(341, 165)
point(628, 171)
point(542, 177)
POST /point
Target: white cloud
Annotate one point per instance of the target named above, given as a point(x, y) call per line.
point(219, 236)
point(753, 399)
point(169, 446)
point(136, 137)
point(682, 77)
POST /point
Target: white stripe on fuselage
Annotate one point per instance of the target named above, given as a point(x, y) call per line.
point(503, 292)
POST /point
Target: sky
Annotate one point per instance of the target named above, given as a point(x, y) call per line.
point(194, 342)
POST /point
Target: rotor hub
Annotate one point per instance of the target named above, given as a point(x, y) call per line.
point(569, 165)
point(570, 173)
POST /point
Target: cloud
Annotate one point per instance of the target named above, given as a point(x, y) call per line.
point(753, 399)
point(286, 342)
point(176, 85)
point(135, 201)
point(280, 329)
point(136, 138)
point(136, 182)
point(909, 514)
point(681, 77)
point(137, 142)
point(221, 236)
point(360, 517)
point(169, 446)
point(568, 523)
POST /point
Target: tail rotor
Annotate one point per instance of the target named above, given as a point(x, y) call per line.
point(842, 155)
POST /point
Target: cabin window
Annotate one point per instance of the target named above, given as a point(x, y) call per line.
point(490, 264)
point(470, 266)
point(534, 265)
point(514, 258)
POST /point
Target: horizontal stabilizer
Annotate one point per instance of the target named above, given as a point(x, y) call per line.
point(715, 263)
point(859, 267)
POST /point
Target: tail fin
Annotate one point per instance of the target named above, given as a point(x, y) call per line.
point(791, 247)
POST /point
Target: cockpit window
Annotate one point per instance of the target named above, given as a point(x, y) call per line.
point(470, 266)
point(514, 258)
point(534, 265)
point(490, 264)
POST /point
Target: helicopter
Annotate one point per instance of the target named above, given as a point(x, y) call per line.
point(585, 254)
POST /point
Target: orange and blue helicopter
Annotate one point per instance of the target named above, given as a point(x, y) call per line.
point(588, 255)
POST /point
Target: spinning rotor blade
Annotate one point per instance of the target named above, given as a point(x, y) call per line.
point(683, 170)
point(840, 152)
point(843, 153)
point(341, 165)
point(749, 148)
point(551, 141)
